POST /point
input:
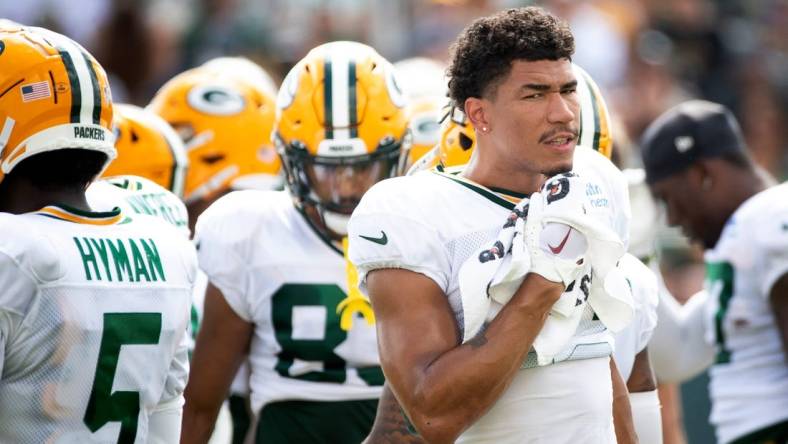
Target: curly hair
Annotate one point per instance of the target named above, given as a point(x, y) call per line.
point(483, 53)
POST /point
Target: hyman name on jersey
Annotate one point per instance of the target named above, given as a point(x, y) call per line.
point(120, 259)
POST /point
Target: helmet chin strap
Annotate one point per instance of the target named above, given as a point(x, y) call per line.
point(336, 222)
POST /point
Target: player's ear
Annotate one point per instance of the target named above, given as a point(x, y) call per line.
point(475, 110)
point(701, 176)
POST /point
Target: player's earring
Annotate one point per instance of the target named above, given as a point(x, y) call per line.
point(706, 184)
point(484, 129)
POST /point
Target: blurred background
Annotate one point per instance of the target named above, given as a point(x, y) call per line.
point(646, 55)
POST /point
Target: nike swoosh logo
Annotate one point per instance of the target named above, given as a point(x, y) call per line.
point(382, 240)
point(560, 247)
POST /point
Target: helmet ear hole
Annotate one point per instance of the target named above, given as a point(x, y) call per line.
point(212, 158)
point(134, 136)
point(465, 142)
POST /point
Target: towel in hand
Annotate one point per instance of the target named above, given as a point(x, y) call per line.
point(556, 235)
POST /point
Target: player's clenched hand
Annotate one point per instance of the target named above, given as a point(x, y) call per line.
point(556, 249)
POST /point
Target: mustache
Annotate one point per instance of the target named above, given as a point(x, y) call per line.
point(557, 130)
point(343, 205)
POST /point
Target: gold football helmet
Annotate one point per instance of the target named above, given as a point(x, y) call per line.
point(241, 66)
point(595, 125)
point(425, 126)
point(224, 120)
point(148, 147)
point(458, 138)
point(53, 95)
point(424, 83)
point(340, 125)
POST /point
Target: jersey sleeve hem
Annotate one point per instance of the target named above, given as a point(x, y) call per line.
point(235, 299)
point(364, 270)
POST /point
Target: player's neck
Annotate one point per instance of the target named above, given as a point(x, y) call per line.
point(490, 175)
point(739, 188)
point(743, 186)
point(26, 198)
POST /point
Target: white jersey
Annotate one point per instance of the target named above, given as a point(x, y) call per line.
point(646, 219)
point(432, 222)
point(749, 380)
point(277, 272)
point(642, 244)
point(93, 315)
point(645, 296)
point(137, 195)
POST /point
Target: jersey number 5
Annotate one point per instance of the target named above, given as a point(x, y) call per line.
point(124, 406)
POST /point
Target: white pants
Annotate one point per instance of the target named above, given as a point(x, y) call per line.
point(568, 402)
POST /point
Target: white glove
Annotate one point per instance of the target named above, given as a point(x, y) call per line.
point(553, 250)
point(557, 251)
point(566, 201)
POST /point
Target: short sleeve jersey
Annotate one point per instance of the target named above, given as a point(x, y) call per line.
point(93, 314)
point(277, 272)
point(749, 379)
point(432, 221)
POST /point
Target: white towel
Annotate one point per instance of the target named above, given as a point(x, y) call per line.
point(477, 272)
point(497, 270)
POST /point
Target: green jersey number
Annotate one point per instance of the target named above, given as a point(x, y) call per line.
point(314, 347)
point(719, 281)
point(124, 406)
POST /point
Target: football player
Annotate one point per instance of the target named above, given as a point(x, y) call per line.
point(521, 96)
point(457, 142)
point(280, 284)
point(95, 305)
point(696, 162)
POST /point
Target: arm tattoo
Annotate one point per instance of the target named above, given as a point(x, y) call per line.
point(480, 339)
point(391, 425)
